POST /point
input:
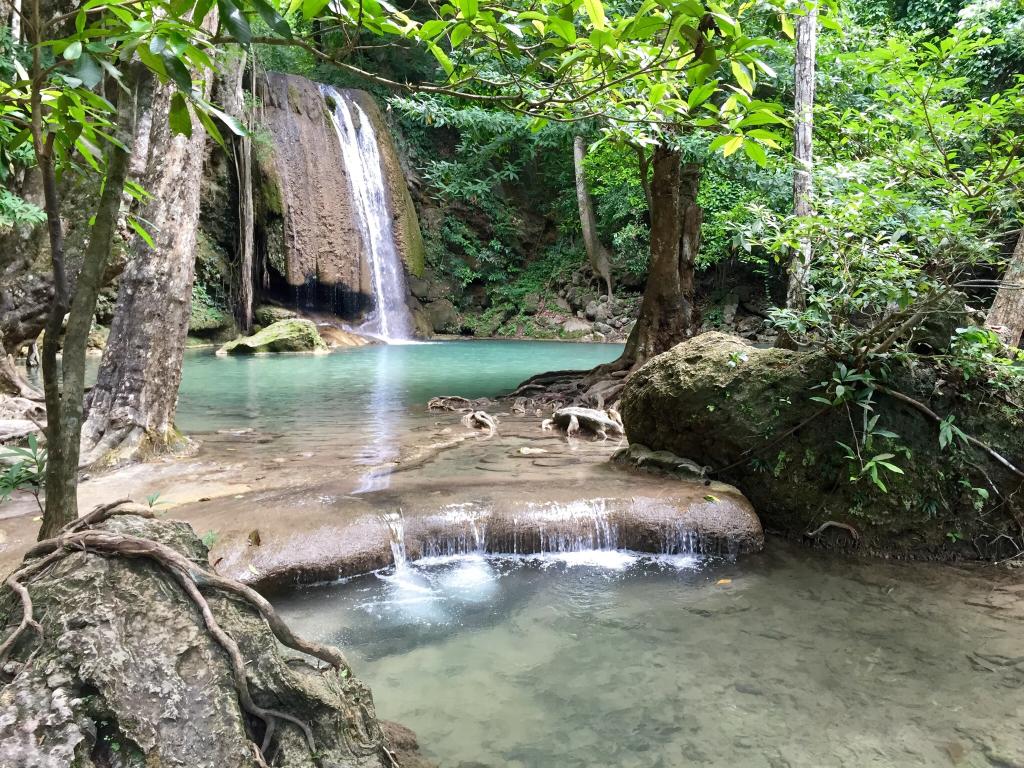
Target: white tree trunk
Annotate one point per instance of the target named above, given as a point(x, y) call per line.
point(1006, 316)
point(803, 156)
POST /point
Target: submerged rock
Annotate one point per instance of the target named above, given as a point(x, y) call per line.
point(125, 673)
point(336, 337)
point(292, 335)
point(747, 413)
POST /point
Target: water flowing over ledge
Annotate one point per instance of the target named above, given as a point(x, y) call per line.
point(685, 518)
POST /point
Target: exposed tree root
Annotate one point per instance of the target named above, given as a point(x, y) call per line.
point(81, 536)
point(481, 420)
point(573, 419)
point(832, 524)
point(922, 408)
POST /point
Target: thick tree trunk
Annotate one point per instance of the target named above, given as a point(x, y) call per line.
point(1006, 316)
point(803, 156)
point(64, 388)
point(132, 405)
point(668, 311)
point(599, 257)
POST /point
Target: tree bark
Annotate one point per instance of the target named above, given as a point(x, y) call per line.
point(803, 155)
point(132, 405)
point(234, 105)
point(598, 256)
point(668, 311)
point(1006, 316)
point(64, 389)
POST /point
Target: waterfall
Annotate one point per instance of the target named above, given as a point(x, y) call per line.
point(390, 319)
point(396, 531)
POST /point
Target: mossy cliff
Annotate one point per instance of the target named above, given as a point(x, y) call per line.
point(748, 414)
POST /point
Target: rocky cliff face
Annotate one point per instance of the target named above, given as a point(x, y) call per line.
point(308, 230)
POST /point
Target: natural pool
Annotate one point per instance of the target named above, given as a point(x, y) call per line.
point(604, 659)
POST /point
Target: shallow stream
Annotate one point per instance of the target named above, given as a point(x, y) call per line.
point(786, 658)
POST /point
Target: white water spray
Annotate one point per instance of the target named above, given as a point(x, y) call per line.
point(390, 319)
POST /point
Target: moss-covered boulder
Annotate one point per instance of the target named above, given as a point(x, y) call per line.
point(268, 314)
point(292, 335)
point(748, 414)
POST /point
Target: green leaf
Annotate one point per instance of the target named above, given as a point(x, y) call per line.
point(701, 93)
point(442, 58)
point(180, 119)
point(177, 71)
point(272, 18)
point(564, 29)
point(732, 145)
point(235, 21)
point(88, 71)
point(469, 8)
point(459, 33)
point(73, 51)
point(311, 8)
point(756, 153)
point(141, 231)
point(596, 13)
point(787, 26)
point(742, 77)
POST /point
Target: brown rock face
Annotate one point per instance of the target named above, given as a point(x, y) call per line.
point(310, 219)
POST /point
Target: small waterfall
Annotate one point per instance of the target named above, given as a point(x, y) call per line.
point(390, 319)
point(396, 528)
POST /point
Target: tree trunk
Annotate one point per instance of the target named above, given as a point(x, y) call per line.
point(1006, 316)
point(598, 256)
point(64, 389)
point(803, 157)
point(668, 311)
point(132, 405)
point(234, 105)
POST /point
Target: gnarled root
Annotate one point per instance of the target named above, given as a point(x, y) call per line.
point(481, 420)
point(575, 419)
point(816, 533)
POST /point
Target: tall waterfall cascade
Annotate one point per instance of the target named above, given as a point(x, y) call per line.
point(390, 319)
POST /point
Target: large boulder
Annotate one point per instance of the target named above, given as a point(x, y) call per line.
point(292, 335)
point(268, 314)
point(125, 671)
point(748, 414)
point(443, 316)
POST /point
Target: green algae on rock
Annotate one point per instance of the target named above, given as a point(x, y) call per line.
point(294, 334)
point(748, 414)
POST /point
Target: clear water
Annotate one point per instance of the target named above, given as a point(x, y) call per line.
point(606, 659)
point(391, 319)
point(352, 392)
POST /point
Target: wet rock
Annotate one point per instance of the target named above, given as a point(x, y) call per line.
point(443, 316)
point(126, 674)
point(336, 337)
point(293, 335)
